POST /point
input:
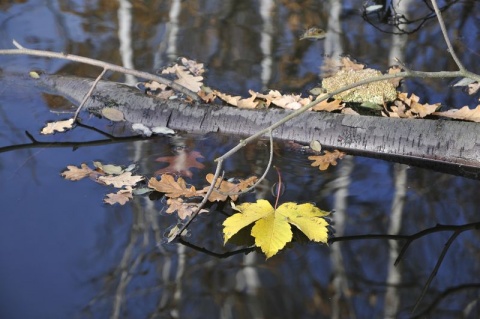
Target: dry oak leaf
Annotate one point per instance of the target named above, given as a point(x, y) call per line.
point(465, 113)
point(159, 90)
point(183, 209)
point(181, 163)
point(119, 181)
point(207, 94)
point(74, 173)
point(58, 126)
point(473, 88)
point(172, 188)
point(185, 78)
point(193, 66)
point(291, 101)
point(120, 197)
point(238, 101)
point(328, 106)
point(417, 109)
point(395, 81)
point(329, 158)
point(227, 187)
point(286, 101)
point(269, 97)
point(272, 230)
point(398, 111)
point(349, 64)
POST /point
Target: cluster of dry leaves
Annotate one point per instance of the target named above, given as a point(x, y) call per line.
point(382, 93)
point(181, 197)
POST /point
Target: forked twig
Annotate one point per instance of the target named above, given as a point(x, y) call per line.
point(212, 187)
point(267, 169)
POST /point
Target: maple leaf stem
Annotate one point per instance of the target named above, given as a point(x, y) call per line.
point(279, 187)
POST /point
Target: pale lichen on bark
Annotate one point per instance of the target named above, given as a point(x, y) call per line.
point(375, 92)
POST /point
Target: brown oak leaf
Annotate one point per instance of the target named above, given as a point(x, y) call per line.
point(183, 209)
point(172, 188)
point(324, 161)
point(185, 78)
point(227, 187)
point(238, 101)
point(207, 94)
point(349, 64)
point(119, 181)
point(328, 106)
point(180, 164)
point(465, 113)
point(193, 66)
point(120, 197)
point(395, 81)
point(74, 173)
point(58, 126)
point(417, 109)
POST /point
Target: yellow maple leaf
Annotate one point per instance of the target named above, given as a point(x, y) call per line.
point(272, 230)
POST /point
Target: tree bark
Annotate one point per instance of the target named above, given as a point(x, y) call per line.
point(443, 145)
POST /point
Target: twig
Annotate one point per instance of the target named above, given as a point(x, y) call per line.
point(89, 93)
point(214, 254)
point(202, 203)
point(435, 270)
point(443, 295)
point(109, 66)
point(445, 36)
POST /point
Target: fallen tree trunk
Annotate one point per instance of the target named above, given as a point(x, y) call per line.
point(444, 145)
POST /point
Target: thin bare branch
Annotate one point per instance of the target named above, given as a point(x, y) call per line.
point(435, 270)
point(203, 202)
point(105, 65)
point(446, 37)
point(89, 93)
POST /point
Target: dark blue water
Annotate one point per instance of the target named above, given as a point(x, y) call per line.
point(65, 254)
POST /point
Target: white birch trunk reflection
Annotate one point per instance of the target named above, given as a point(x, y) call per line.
point(340, 281)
